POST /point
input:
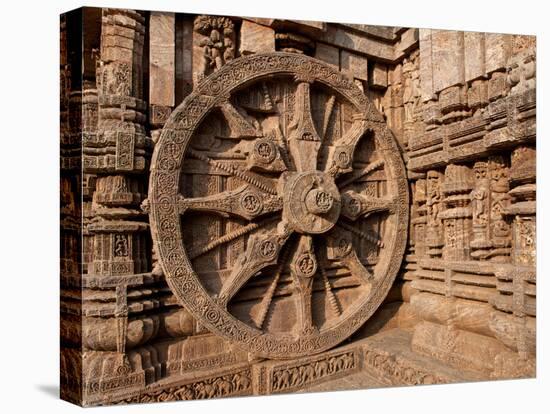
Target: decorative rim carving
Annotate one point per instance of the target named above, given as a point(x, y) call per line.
point(165, 214)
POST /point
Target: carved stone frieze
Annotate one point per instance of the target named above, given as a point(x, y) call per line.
point(228, 385)
point(295, 376)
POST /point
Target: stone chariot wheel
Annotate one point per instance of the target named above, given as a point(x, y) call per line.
point(279, 205)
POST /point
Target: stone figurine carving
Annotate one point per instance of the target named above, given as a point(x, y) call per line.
point(434, 206)
point(480, 197)
point(218, 42)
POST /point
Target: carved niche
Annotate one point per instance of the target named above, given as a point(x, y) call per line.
point(279, 205)
point(434, 208)
point(480, 197)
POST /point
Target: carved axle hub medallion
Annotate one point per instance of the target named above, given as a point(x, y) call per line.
point(311, 202)
point(278, 205)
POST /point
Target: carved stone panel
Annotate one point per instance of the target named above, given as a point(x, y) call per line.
point(266, 246)
point(278, 205)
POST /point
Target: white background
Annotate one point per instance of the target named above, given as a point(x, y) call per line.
point(29, 299)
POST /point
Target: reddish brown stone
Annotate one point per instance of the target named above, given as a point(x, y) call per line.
point(257, 237)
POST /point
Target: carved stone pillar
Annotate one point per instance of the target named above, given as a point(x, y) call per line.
point(70, 179)
point(514, 321)
point(419, 218)
point(500, 199)
point(416, 246)
point(116, 151)
point(119, 149)
point(522, 209)
point(490, 198)
point(457, 215)
point(89, 127)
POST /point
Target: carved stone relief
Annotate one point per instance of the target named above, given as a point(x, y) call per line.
point(242, 227)
point(216, 38)
point(434, 207)
point(305, 183)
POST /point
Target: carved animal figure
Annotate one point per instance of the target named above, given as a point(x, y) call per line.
point(241, 382)
point(321, 368)
point(282, 379)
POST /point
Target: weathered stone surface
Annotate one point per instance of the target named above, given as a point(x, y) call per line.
point(408, 41)
point(426, 64)
point(265, 165)
point(447, 58)
point(497, 51)
point(460, 349)
point(162, 59)
point(474, 55)
point(256, 38)
point(349, 39)
point(354, 64)
point(379, 77)
point(386, 32)
point(328, 54)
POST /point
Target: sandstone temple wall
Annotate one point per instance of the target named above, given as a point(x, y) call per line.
point(462, 108)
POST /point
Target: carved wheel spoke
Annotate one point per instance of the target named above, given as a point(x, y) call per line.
point(340, 157)
point(247, 176)
point(258, 128)
point(268, 298)
point(331, 297)
point(360, 173)
point(303, 269)
point(262, 251)
point(304, 141)
point(246, 202)
point(340, 248)
point(372, 238)
point(228, 237)
point(240, 124)
point(356, 205)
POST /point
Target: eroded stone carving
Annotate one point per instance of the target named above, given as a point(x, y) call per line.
point(307, 199)
point(218, 42)
point(457, 214)
point(295, 377)
point(480, 210)
point(235, 384)
point(279, 210)
point(434, 206)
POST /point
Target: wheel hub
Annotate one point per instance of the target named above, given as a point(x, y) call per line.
point(311, 202)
